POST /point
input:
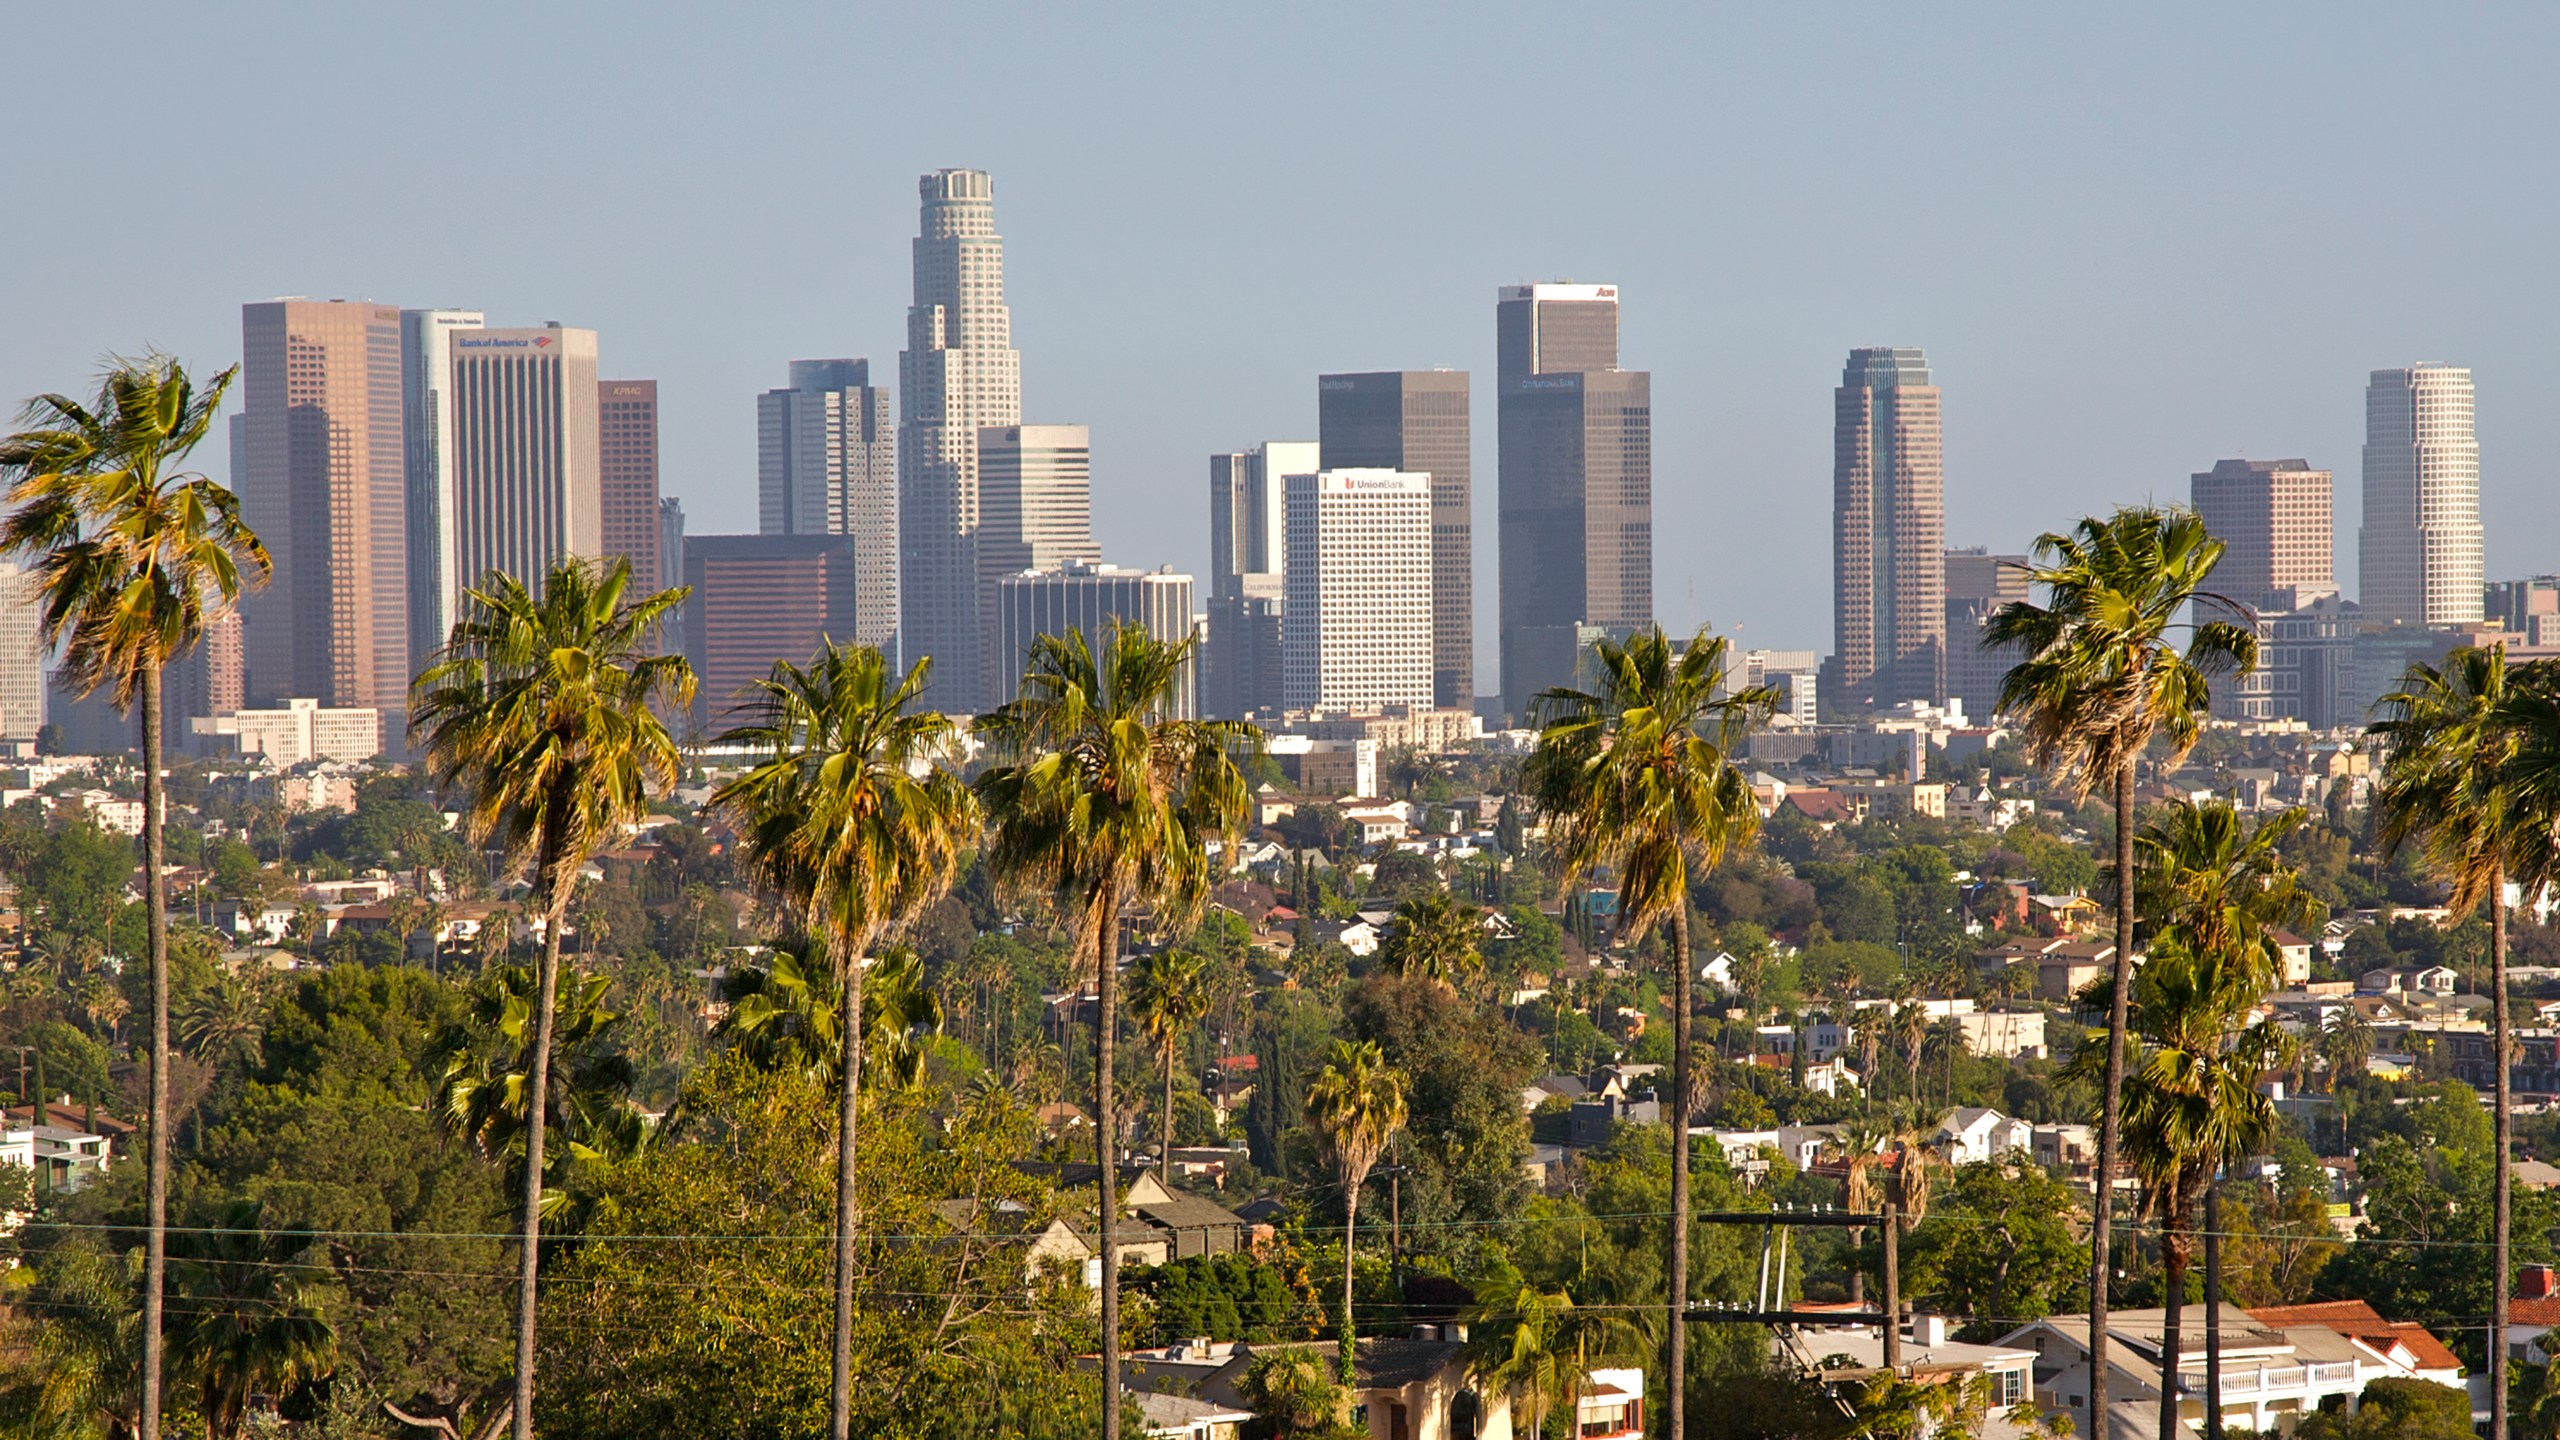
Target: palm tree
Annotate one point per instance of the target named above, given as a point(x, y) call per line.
point(1168, 994)
point(1539, 1342)
point(2204, 872)
point(1639, 777)
point(484, 1066)
point(1356, 1104)
point(849, 819)
point(246, 1323)
point(2450, 784)
point(134, 558)
point(2101, 677)
point(1100, 798)
point(543, 710)
point(1436, 937)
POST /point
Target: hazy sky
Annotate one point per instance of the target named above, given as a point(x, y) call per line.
point(2130, 243)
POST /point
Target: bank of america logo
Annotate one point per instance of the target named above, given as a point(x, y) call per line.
point(541, 340)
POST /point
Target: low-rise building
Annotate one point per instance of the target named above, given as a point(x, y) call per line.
point(296, 731)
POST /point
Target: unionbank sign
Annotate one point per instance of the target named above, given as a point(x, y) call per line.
point(1385, 484)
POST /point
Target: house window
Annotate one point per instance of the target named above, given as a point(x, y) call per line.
point(2008, 1387)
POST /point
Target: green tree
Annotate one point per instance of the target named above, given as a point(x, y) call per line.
point(2099, 678)
point(544, 711)
point(1357, 1104)
point(1639, 777)
point(247, 1320)
point(1102, 799)
point(2010, 1252)
point(1539, 1346)
point(134, 557)
point(2396, 1408)
point(1436, 936)
point(1168, 994)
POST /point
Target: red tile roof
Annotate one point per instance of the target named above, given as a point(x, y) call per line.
point(2359, 1320)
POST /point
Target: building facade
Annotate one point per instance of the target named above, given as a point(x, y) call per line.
point(1355, 623)
point(958, 376)
point(627, 477)
point(1035, 512)
point(757, 599)
point(827, 464)
point(1979, 583)
point(1417, 421)
point(1576, 483)
point(2419, 550)
point(324, 485)
point(1889, 533)
point(671, 562)
point(22, 654)
point(1248, 558)
point(426, 423)
point(527, 456)
point(2273, 518)
point(1088, 598)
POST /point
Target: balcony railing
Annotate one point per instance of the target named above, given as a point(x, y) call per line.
point(2274, 1380)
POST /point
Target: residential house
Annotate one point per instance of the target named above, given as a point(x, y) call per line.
point(2420, 981)
point(2295, 954)
point(1973, 1135)
point(1401, 1389)
point(2064, 970)
point(2272, 1374)
point(1179, 1417)
point(1832, 1077)
point(1929, 1356)
point(2007, 1034)
point(2409, 1347)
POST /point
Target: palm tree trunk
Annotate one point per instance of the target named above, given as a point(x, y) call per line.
point(155, 813)
point(2173, 1300)
point(2213, 1304)
point(2500, 1256)
point(1106, 1142)
point(2112, 1104)
point(557, 873)
point(1350, 1227)
point(1164, 1143)
point(1675, 1368)
point(849, 1071)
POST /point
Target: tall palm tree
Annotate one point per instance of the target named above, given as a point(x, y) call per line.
point(134, 557)
point(2450, 784)
point(1168, 994)
point(1101, 798)
point(1638, 776)
point(1356, 1104)
point(1437, 937)
point(247, 1323)
point(784, 1014)
point(2101, 676)
point(851, 821)
point(542, 710)
point(484, 1068)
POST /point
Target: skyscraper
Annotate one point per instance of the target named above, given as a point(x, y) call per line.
point(527, 480)
point(1356, 625)
point(757, 599)
point(1416, 421)
point(2419, 552)
point(1889, 535)
point(323, 483)
point(21, 654)
point(1978, 583)
point(958, 375)
point(1576, 482)
point(426, 421)
point(2273, 519)
point(1087, 598)
point(1248, 553)
point(627, 476)
point(827, 464)
point(671, 560)
point(1035, 512)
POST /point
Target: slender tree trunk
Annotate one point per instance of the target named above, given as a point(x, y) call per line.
point(848, 1204)
point(1676, 1367)
point(1106, 1143)
point(2173, 1302)
point(155, 814)
point(2501, 1258)
point(1350, 1228)
point(2112, 1103)
point(1164, 1161)
point(2213, 1306)
point(558, 874)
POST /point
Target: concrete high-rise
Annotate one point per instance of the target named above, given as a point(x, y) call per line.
point(1416, 421)
point(1889, 533)
point(671, 561)
point(21, 654)
point(322, 480)
point(1088, 598)
point(1035, 511)
point(2273, 518)
point(527, 465)
point(1978, 583)
point(426, 420)
point(1355, 627)
point(958, 375)
point(827, 464)
point(1248, 556)
point(757, 599)
point(1576, 482)
point(627, 477)
point(2419, 551)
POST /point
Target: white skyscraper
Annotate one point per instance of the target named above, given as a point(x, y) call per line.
point(1035, 512)
point(21, 655)
point(958, 375)
point(426, 428)
point(1356, 623)
point(2419, 551)
point(1248, 513)
point(827, 464)
point(527, 468)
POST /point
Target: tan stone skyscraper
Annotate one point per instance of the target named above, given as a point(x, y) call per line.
point(958, 375)
point(2419, 551)
point(627, 477)
point(1889, 533)
point(527, 464)
point(323, 482)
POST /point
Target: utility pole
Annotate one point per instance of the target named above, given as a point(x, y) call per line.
point(1892, 1289)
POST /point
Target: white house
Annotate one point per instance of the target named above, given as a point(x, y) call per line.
point(1832, 1077)
point(1974, 1135)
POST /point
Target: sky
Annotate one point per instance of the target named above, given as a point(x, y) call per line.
point(2132, 239)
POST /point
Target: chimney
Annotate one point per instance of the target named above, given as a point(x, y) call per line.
point(2536, 1283)
point(1928, 1330)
